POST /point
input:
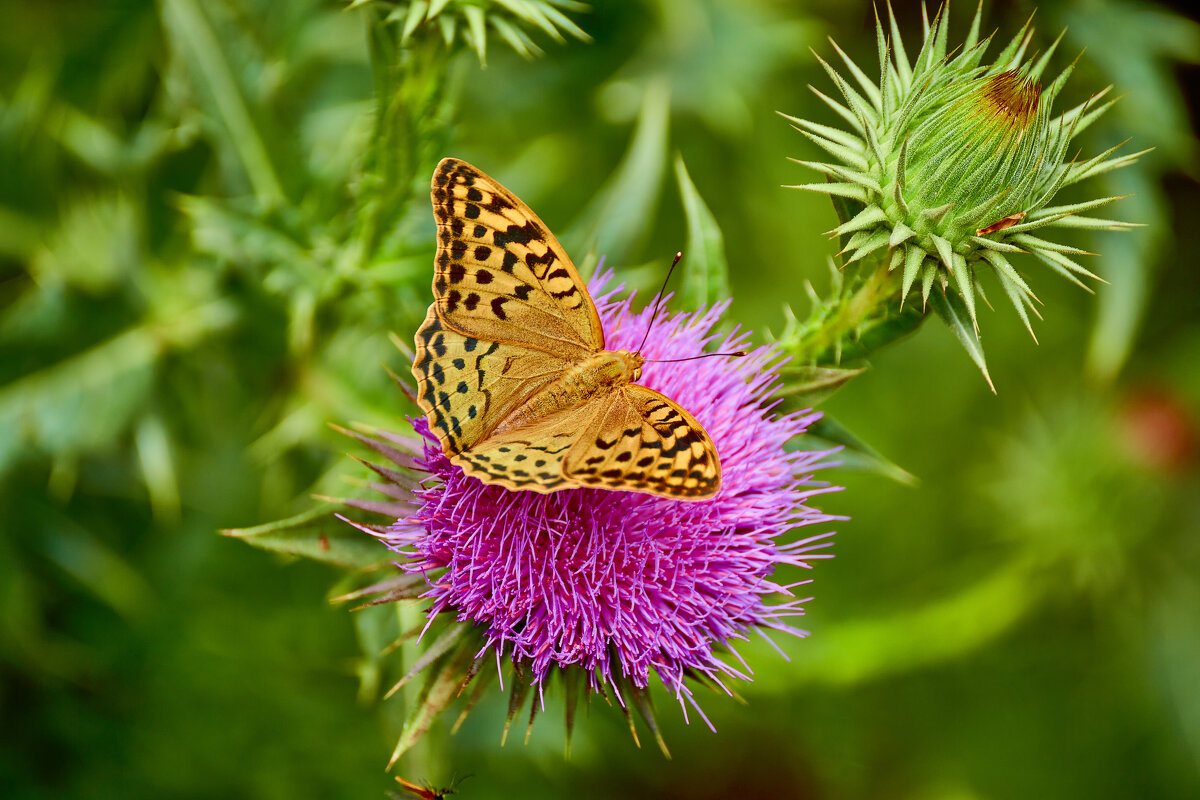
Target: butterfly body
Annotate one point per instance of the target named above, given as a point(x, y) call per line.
point(604, 372)
point(512, 370)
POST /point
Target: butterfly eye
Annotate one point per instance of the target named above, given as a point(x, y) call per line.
point(637, 373)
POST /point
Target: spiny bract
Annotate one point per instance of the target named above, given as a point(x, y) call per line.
point(471, 21)
point(950, 165)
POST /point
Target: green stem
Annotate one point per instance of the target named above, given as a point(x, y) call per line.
point(411, 81)
point(856, 323)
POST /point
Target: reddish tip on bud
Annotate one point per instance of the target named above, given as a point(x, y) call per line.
point(1012, 98)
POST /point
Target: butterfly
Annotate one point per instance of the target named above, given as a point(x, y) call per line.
point(511, 368)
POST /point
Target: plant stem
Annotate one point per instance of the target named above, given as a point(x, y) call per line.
point(858, 321)
point(412, 86)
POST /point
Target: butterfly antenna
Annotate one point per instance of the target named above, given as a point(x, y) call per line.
point(735, 354)
point(658, 300)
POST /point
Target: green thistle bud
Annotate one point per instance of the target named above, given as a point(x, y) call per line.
point(472, 21)
point(949, 166)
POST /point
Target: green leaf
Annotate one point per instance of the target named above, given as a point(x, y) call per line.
point(477, 32)
point(902, 641)
point(951, 307)
point(1122, 304)
point(191, 33)
point(318, 535)
point(85, 401)
point(20, 233)
point(619, 217)
point(440, 689)
point(100, 569)
point(158, 468)
point(827, 433)
point(223, 229)
point(705, 268)
point(808, 386)
point(376, 628)
point(95, 244)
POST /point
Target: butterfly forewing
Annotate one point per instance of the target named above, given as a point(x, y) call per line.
point(500, 274)
point(644, 442)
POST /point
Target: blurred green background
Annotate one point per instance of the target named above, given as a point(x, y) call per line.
point(208, 227)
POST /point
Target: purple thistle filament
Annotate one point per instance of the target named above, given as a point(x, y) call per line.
point(623, 583)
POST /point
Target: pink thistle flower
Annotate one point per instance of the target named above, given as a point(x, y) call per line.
point(624, 584)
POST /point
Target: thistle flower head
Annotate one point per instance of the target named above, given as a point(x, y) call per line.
point(950, 164)
point(617, 586)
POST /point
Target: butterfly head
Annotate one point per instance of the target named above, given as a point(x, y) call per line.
point(631, 364)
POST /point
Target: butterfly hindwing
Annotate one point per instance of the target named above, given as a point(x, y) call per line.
point(466, 386)
point(644, 442)
point(501, 274)
point(529, 458)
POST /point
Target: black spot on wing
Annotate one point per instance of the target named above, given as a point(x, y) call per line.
point(533, 261)
point(516, 234)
